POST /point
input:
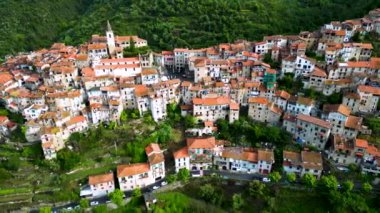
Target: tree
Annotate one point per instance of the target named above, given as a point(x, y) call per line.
point(207, 192)
point(45, 210)
point(237, 201)
point(190, 121)
point(165, 133)
point(210, 194)
point(275, 177)
point(67, 159)
point(136, 192)
point(171, 178)
point(309, 180)
point(117, 197)
point(348, 186)
point(123, 116)
point(84, 203)
point(367, 187)
point(256, 188)
point(291, 177)
point(329, 183)
point(183, 175)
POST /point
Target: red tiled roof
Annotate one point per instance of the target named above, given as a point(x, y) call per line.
point(343, 109)
point(103, 178)
point(222, 100)
point(76, 119)
point(151, 148)
point(314, 120)
point(132, 169)
point(369, 89)
point(361, 143)
point(319, 73)
point(258, 100)
point(201, 143)
point(182, 153)
point(283, 94)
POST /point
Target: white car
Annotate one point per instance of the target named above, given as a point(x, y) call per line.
point(69, 208)
point(155, 187)
point(94, 203)
point(164, 183)
point(266, 180)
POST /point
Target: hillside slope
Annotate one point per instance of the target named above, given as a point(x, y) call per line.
point(31, 24)
point(166, 23)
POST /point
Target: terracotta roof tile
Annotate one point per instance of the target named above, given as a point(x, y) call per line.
point(312, 160)
point(265, 155)
point(354, 122)
point(361, 143)
point(132, 169)
point(314, 120)
point(239, 153)
point(182, 153)
point(103, 178)
point(152, 148)
point(343, 109)
point(201, 143)
point(283, 94)
point(75, 120)
point(258, 100)
point(222, 100)
point(369, 89)
point(318, 72)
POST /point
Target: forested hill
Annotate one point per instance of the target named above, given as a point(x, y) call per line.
point(30, 24)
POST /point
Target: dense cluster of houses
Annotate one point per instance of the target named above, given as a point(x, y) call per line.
point(66, 89)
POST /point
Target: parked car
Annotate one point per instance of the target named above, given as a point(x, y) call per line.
point(155, 187)
point(94, 203)
point(69, 208)
point(164, 183)
point(266, 180)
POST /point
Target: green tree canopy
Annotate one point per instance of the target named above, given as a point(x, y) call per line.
point(237, 201)
point(183, 175)
point(275, 176)
point(117, 197)
point(367, 187)
point(256, 188)
point(291, 177)
point(67, 159)
point(329, 183)
point(348, 186)
point(309, 180)
point(84, 203)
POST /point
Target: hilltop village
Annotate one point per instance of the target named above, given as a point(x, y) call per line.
point(66, 89)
